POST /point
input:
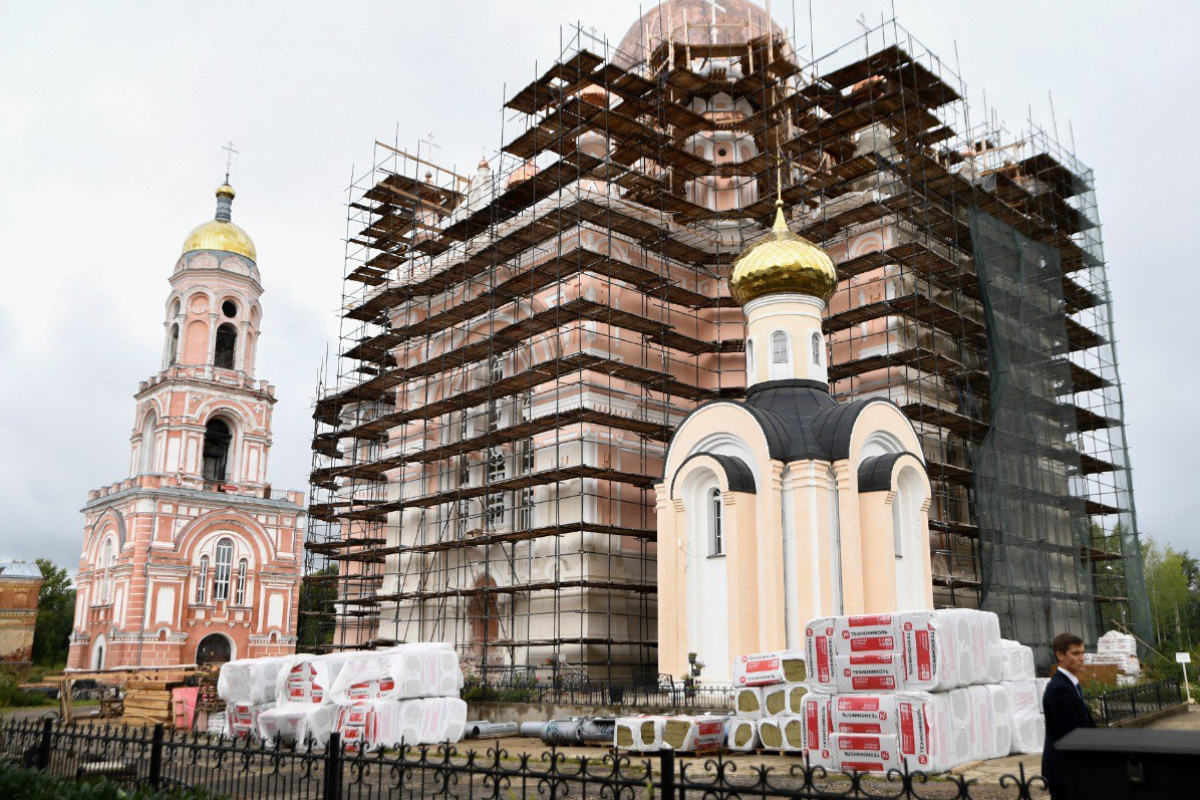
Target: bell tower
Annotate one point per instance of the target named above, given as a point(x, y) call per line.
point(193, 557)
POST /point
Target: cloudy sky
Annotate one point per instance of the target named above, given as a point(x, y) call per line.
point(112, 116)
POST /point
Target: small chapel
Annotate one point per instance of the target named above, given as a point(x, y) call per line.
point(194, 558)
point(787, 505)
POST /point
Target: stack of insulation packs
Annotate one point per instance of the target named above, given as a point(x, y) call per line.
point(652, 733)
point(406, 694)
point(248, 687)
point(768, 693)
point(924, 690)
point(1118, 648)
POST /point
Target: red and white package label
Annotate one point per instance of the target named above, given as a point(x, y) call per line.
point(817, 723)
point(866, 644)
point(819, 653)
point(868, 632)
point(865, 752)
point(869, 672)
point(864, 714)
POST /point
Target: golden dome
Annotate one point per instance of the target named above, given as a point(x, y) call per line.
point(783, 262)
point(218, 235)
point(221, 233)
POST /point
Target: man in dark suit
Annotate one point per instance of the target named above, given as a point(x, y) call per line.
point(1063, 707)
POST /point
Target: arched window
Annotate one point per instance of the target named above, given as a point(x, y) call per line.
point(202, 581)
point(226, 344)
point(173, 346)
point(240, 597)
point(779, 347)
point(816, 349)
point(224, 563)
point(217, 438)
point(146, 448)
point(716, 524)
point(751, 373)
point(109, 562)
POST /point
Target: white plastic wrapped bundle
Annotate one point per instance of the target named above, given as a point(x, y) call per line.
point(297, 723)
point(1001, 720)
point(1041, 691)
point(865, 752)
point(867, 633)
point(1028, 726)
point(307, 678)
point(694, 733)
point(930, 665)
point(250, 680)
point(642, 733)
point(1018, 662)
point(817, 717)
point(741, 735)
point(961, 734)
point(820, 652)
point(926, 732)
point(864, 713)
point(783, 699)
point(785, 734)
point(443, 719)
point(981, 723)
point(764, 669)
point(241, 719)
point(400, 673)
point(748, 702)
point(1117, 642)
point(870, 672)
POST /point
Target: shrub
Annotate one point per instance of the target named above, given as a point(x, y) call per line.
point(11, 694)
point(28, 784)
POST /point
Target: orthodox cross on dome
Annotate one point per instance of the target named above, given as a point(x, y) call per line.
point(712, 30)
point(229, 154)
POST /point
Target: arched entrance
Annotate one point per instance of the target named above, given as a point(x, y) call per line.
point(214, 649)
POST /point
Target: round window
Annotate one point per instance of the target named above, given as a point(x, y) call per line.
point(722, 152)
point(229, 308)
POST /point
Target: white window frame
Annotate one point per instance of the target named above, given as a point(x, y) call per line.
point(240, 594)
point(716, 523)
point(751, 370)
point(223, 569)
point(202, 581)
point(780, 355)
point(816, 348)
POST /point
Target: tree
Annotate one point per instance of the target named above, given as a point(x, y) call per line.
point(1173, 586)
point(317, 608)
point(56, 615)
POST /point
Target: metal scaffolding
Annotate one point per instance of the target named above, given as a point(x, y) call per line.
point(517, 346)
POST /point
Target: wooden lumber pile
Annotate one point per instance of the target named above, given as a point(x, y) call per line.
point(148, 702)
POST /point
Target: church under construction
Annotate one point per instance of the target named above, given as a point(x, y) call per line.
point(518, 345)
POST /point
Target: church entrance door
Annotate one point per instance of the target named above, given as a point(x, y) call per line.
point(213, 649)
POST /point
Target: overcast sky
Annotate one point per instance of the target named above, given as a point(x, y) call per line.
point(112, 116)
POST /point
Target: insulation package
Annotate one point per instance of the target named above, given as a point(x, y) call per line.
point(785, 734)
point(783, 698)
point(642, 733)
point(869, 672)
point(925, 732)
point(252, 681)
point(865, 752)
point(818, 727)
point(869, 633)
point(697, 734)
point(929, 666)
point(1018, 664)
point(1001, 720)
point(391, 723)
point(820, 650)
point(241, 719)
point(296, 723)
point(741, 735)
point(1028, 726)
point(748, 702)
point(307, 679)
point(864, 713)
point(764, 669)
point(399, 673)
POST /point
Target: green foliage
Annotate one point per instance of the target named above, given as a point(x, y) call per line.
point(518, 690)
point(1173, 586)
point(28, 784)
point(316, 602)
point(11, 695)
point(56, 615)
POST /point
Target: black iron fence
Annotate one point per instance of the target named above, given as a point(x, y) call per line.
point(1120, 705)
point(239, 769)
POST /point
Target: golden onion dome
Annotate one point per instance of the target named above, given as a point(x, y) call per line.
point(221, 233)
point(783, 262)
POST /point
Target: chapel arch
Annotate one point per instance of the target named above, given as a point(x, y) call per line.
point(218, 444)
point(226, 346)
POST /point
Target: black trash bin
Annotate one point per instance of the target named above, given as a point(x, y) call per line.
point(1128, 764)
